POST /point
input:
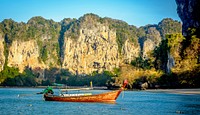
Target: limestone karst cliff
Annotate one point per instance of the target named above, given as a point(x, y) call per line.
point(81, 46)
point(188, 11)
point(2, 56)
point(24, 54)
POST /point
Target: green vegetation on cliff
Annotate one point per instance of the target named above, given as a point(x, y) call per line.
point(46, 32)
point(166, 57)
point(169, 26)
point(123, 31)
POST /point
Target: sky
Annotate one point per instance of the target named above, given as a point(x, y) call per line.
point(134, 12)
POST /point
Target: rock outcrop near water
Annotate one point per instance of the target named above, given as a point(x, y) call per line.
point(82, 46)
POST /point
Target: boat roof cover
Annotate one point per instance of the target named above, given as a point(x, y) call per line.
point(48, 89)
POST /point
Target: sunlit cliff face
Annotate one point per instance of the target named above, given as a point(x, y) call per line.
point(82, 46)
point(2, 59)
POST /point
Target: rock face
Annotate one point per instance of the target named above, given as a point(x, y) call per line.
point(2, 56)
point(129, 51)
point(153, 39)
point(188, 11)
point(24, 54)
point(82, 46)
point(94, 50)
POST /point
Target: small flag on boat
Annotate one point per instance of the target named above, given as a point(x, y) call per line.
point(125, 81)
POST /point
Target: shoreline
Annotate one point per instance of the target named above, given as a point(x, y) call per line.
point(57, 87)
point(187, 91)
point(177, 91)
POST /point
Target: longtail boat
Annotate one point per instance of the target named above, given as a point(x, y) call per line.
point(108, 97)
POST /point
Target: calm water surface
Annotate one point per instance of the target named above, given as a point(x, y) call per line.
point(128, 103)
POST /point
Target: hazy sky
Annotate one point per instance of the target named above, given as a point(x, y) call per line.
point(134, 12)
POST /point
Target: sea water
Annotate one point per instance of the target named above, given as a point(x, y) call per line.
point(25, 101)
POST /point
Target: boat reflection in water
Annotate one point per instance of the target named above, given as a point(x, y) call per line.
point(107, 97)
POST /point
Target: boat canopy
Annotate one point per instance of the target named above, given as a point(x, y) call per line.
point(48, 90)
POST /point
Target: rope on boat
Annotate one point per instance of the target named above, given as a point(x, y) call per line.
point(122, 94)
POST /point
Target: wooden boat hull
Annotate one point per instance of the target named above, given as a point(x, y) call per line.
point(108, 97)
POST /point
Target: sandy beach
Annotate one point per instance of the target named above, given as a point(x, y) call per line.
point(177, 91)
